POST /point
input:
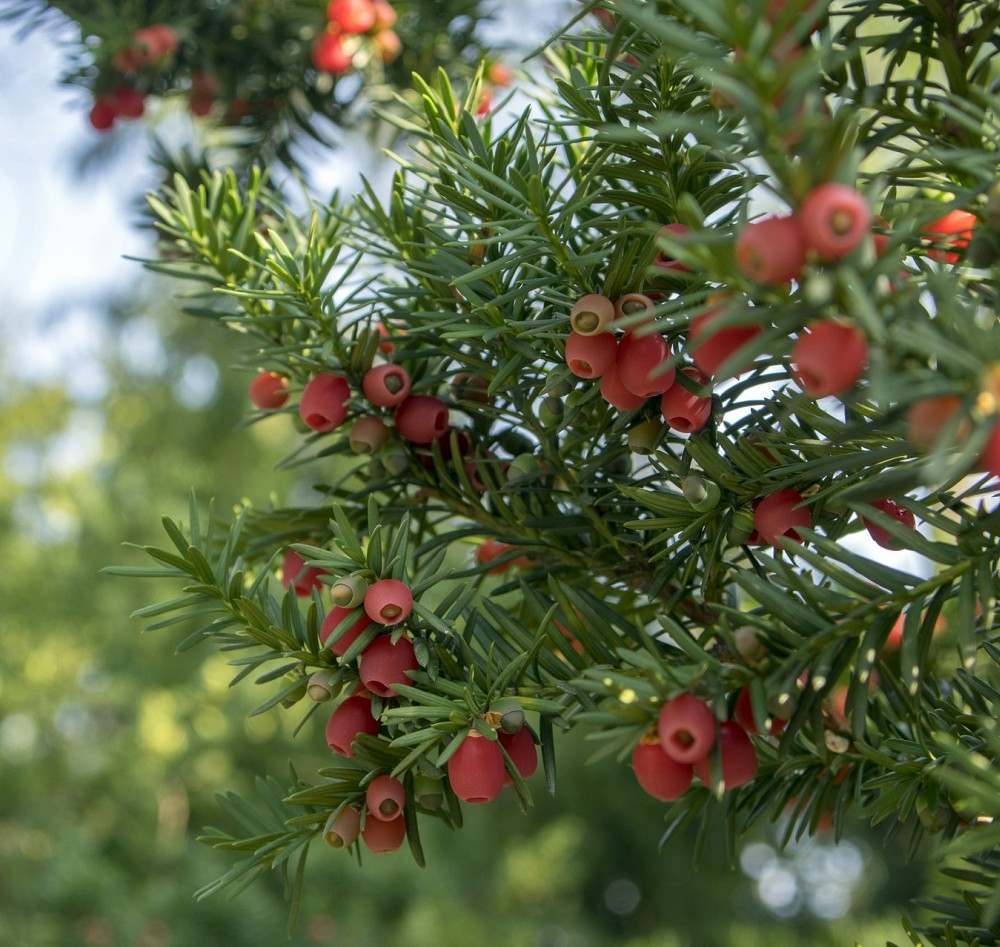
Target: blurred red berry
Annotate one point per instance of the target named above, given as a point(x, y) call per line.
point(835, 219)
point(829, 357)
point(329, 55)
point(882, 536)
point(268, 391)
point(771, 250)
point(351, 16)
point(385, 15)
point(388, 44)
point(953, 230)
point(665, 262)
point(295, 573)
point(743, 714)
point(102, 114)
point(710, 348)
point(129, 102)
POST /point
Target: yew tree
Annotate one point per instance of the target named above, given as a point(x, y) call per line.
point(660, 401)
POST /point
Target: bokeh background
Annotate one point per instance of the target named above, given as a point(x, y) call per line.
point(113, 406)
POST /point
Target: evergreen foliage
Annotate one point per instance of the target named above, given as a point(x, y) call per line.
point(636, 563)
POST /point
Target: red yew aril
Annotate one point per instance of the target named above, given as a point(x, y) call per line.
point(665, 262)
point(591, 314)
point(421, 419)
point(476, 770)
point(989, 457)
point(128, 102)
point(388, 601)
point(500, 74)
point(882, 536)
point(385, 15)
point(828, 358)
point(641, 362)
point(388, 44)
point(386, 386)
point(710, 348)
point(329, 55)
point(102, 114)
point(771, 250)
point(630, 306)
point(157, 41)
point(380, 837)
point(368, 434)
point(779, 514)
point(520, 747)
point(350, 718)
point(835, 219)
point(492, 549)
point(383, 665)
point(590, 356)
point(323, 405)
point(294, 573)
point(686, 728)
point(953, 230)
point(658, 774)
point(333, 618)
point(739, 759)
point(268, 390)
point(351, 16)
point(928, 417)
point(743, 713)
point(684, 410)
point(385, 798)
point(343, 829)
point(614, 392)
point(204, 89)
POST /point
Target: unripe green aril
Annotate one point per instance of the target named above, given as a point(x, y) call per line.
point(642, 438)
point(550, 412)
point(591, 314)
point(428, 792)
point(524, 465)
point(511, 714)
point(702, 494)
point(349, 591)
point(322, 686)
point(368, 434)
point(741, 528)
point(396, 459)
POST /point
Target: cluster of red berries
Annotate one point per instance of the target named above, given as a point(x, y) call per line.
point(687, 737)
point(348, 21)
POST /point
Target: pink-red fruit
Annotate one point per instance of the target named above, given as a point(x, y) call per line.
point(384, 665)
point(351, 16)
point(351, 717)
point(953, 230)
point(520, 747)
point(388, 601)
point(384, 798)
point(614, 392)
point(659, 775)
point(590, 356)
point(334, 617)
point(268, 391)
point(329, 55)
point(739, 759)
point(835, 219)
point(323, 405)
point(421, 419)
point(591, 314)
point(641, 361)
point(294, 573)
point(711, 348)
point(683, 410)
point(771, 250)
point(828, 358)
point(475, 770)
point(881, 535)
point(386, 386)
point(380, 837)
point(686, 727)
point(779, 515)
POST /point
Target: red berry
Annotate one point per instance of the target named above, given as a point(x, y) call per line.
point(592, 314)
point(520, 748)
point(351, 717)
point(683, 410)
point(835, 219)
point(492, 549)
point(347, 637)
point(329, 55)
point(711, 348)
point(686, 727)
point(659, 775)
point(590, 356)
point(351, 16)
point(778, 515)
point(422, 419)
point(383, 665)
point(616, 394)
point(989, 457)
point(102, 114)
point(630, 306)
point(388, 44)
point(828, 358)
point(743, 713)
point(129, 102)
point(739, 759)
point(385, 798)
point(771, 250)
point(388, 601)
point(156, 41)
point(882, 536)
point(344, 829)
point(928, 417)
point(500, 74)
point(204, 89)
point(385, 15)
point(475, 770)
point(269, 390)
point(294, 573)
point(640, 362)
point(323, 405)
point(380, 837)
point(386, 386)
point(956, 229)
point(665, 262)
